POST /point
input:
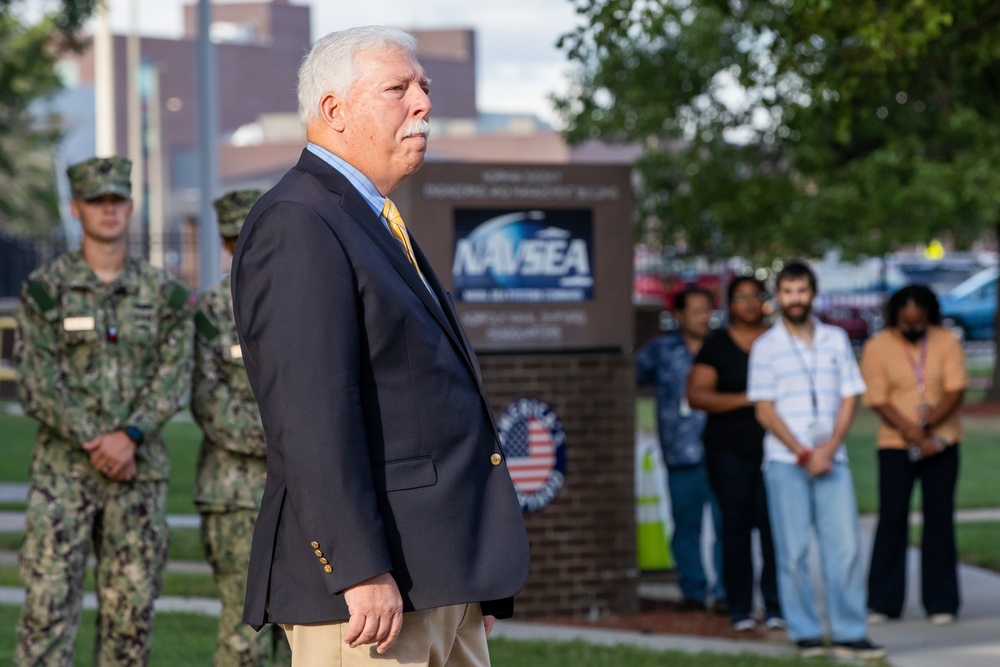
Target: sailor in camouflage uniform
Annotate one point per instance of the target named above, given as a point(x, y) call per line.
point(104, 354)
point(232, 461)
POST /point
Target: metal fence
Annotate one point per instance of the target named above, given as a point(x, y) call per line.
point(19, 257)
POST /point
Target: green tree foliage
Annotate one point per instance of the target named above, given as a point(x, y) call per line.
point(777, 127)
point(29, 50)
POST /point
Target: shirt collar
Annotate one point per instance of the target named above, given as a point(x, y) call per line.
point(80, 274)
point(361, 183)
point(819, 330)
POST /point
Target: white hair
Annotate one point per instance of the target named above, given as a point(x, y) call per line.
point(330, 66)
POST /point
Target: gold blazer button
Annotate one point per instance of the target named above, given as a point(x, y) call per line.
point(319, 554)
point(314, 545)
point(495, 459)
point(328, 569)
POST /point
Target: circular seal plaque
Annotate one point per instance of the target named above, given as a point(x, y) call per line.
point(534, 445)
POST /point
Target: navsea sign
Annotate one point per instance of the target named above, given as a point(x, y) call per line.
point(534, 444)
point(535, 256)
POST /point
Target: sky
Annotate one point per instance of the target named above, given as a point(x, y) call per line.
point(519, 66)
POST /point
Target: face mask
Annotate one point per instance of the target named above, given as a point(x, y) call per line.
point(913, 335)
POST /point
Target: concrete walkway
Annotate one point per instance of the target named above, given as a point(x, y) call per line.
point(974, 641)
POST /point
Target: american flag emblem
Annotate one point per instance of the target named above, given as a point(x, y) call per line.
point(533, 442)
point(531, 455)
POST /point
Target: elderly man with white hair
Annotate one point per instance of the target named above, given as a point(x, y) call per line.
point(389, 530)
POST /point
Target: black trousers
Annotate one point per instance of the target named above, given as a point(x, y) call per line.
point(738, 484)
point(939, 560)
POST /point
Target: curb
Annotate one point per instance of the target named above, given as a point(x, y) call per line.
point(203, 606)
point(521, 631)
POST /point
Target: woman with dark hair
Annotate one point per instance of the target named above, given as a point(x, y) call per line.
point(733, 452)
point(916, 378)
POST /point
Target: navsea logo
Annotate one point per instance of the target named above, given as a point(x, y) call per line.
point(534, 444)
point(523, 256)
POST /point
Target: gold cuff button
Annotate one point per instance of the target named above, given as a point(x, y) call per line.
point(314, 545)
point(324, 561)
point(328, 569)
point(318, 553)
point(495, 459)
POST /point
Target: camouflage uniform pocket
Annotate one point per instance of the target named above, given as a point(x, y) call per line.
point(78, 351)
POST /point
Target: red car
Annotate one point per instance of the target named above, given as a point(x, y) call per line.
point(859, 314)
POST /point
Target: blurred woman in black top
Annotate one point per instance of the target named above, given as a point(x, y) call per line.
point(734, 446)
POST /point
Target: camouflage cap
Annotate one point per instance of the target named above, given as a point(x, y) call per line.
point(232, 209)
point(99, 176)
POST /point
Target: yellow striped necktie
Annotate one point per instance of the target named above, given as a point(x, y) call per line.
point(398, 229)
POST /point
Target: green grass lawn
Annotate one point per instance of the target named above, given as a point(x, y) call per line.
point(979, 454)
point(185, 544)
point(977, 543)
point(976, 488)
point(185, 639)
point(175, 584)
point(18, 436)
point(180, 640)
point(182, 437)
point(980, 458)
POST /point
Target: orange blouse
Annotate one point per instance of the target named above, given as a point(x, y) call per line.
point(891, 366)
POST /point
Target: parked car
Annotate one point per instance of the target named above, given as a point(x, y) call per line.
point(853, 320)
point(970, 308)
point(857, 313)
point(942, 275)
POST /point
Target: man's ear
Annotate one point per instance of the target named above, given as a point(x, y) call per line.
point(331, 111)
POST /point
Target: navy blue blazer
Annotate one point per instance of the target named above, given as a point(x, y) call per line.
point(382, 451)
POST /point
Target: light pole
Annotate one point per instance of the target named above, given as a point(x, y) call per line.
point(104, 84)
point(208, 127)
point(133, 59)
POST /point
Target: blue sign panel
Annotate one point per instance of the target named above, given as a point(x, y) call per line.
point(504, 256)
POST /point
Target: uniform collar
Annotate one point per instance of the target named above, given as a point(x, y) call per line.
point(80, 275)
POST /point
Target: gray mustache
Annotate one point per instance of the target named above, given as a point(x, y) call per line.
point(418, 127)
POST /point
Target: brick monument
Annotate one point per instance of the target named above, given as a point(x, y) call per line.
point(538, 260)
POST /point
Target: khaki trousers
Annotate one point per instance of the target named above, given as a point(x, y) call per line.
point(447, 636)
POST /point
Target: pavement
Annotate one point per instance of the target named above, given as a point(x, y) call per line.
point(973, 641)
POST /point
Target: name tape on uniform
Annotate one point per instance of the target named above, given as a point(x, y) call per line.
point(83, 323)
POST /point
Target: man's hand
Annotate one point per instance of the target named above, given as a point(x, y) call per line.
point(820, 461)
point(113, 454)
point(488, 623)
point(376, 609)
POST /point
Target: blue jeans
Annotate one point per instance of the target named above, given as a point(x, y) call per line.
point(689, 493)
point(799, 504)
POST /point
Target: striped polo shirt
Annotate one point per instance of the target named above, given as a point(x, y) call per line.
point(785, 370)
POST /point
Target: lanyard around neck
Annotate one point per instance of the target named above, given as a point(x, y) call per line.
point(809, 371)
point(919, 369)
